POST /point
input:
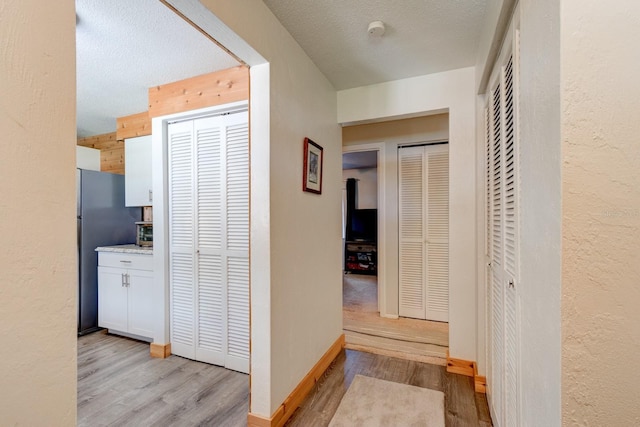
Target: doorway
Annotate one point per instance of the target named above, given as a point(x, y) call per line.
point(360, 231)
point(388, 331)
point(163, 71)
point(365, 326)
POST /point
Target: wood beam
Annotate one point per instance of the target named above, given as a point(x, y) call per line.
point(220, 87)
point(133, 125)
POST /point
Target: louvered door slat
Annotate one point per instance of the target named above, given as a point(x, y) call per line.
point(496, 202)
point(238, 314)
point(238, 187)
point(181, 187)
point(502, 246)
point(211, 315)
point(182, 304)
point(181, 238)
point(209, 203)
point(496, 284)
point(510, 247)
point(437, 287)
point(412, 232)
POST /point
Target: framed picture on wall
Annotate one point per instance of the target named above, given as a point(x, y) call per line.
point(312, 175)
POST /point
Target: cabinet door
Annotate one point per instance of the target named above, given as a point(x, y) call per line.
point(137, 171)
point(141, 303)
point(112, 298)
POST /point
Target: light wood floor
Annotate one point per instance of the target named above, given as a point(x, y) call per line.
point(365, 330)
point(119, 384)
point(463, 406)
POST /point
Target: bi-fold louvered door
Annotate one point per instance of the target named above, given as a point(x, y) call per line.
point(502, 245)
point(423, 188)
point(209, 239)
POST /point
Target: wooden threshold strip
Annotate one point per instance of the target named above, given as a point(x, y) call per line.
point(291, 403)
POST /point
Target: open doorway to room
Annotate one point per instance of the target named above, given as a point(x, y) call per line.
point(121, 377)
point(360, 231)
point(375, 318)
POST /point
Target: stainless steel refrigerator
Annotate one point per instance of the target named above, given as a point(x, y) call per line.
point(103, 220)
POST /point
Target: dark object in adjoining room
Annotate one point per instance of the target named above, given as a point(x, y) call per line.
point(352, 186)
point(361, 257)
point(364, 225)
point(102, 220)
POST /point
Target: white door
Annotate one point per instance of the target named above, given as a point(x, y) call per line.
point(502, 245)
point(423, 189)
point(209, 238)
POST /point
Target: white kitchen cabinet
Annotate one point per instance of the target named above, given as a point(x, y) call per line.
point(125, 286)
point(137, 171)
point(87, 158)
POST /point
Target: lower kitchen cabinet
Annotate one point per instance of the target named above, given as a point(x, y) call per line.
point(125, 294)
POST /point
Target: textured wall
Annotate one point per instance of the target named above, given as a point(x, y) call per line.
point(601, 213)
point(37, 207)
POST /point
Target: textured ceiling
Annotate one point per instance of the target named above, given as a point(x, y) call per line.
point(123, 48)
point(422, 36)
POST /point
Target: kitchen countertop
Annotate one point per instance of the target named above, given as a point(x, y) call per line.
point(129, 249)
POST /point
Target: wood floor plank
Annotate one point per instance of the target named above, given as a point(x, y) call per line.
point(120, 384)
point(461, 401)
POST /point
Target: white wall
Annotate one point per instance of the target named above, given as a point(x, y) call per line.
point(367, 186)
point(297, 297)
point(451, 91)
point(38, 321)
point(486, 40)
point(601, 212)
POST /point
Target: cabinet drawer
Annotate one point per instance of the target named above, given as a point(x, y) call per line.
point(124, 260)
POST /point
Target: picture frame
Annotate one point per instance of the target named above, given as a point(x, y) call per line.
point(312, 167)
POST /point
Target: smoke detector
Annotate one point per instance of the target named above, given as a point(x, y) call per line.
point(376, 29)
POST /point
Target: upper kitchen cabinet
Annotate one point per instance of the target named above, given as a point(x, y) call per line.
point(87, 158)
point(138, 182)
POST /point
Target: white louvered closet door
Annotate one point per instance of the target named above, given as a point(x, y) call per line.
point(237, 240)
point(219, 199)
point(424, 232)
point(181, 239)
point(211, 295)
point(502, 246)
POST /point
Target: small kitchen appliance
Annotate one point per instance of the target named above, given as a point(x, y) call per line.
point(144, 233)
